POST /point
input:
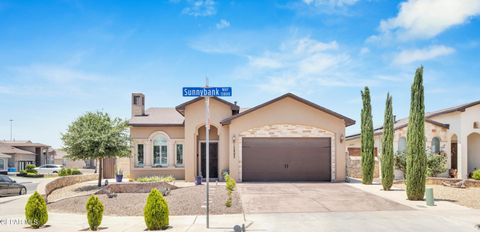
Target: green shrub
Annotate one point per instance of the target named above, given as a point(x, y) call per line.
point(400, 162)
point(230, 186)
point(476, 174)
point(156, 211)
point(228, 203)
point(94, 212)
point(69, 172)
point(36, 211)
point(30, 168)
point(76, 172)
point(436, 163)
point(63, 172)
point(156, 179)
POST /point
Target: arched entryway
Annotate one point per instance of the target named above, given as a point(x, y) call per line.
point(473, 152)
point(213, 152)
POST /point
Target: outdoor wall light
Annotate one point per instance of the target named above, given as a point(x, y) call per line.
point(342, 137)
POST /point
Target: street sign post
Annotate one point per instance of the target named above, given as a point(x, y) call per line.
point(207, 92)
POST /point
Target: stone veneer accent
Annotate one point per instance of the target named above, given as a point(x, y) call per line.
point(287, 130)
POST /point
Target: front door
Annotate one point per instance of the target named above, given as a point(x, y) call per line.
point(213, 159)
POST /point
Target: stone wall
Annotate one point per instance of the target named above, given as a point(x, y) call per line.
point(135, 187)
point(45, 188)
point(354, 167)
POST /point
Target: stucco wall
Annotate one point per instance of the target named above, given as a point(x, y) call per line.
point(145, 136)
point(461, 125)
point(195, 119)
point(290, 112)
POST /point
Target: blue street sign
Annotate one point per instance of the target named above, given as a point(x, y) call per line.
point(207, 92)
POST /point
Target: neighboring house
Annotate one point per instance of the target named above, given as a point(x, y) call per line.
point(4, 163)
point(455, 131)
point(60, 157)
point(25, 152)
point(285, 139)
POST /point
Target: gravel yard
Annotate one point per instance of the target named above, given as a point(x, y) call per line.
point(182, 201)
point(469, 197)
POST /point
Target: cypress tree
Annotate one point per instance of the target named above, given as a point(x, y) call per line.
point(387, 145)
point(368, 159)
point(416, 157)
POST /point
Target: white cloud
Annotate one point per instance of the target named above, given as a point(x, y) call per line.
point(300, 65)
point(222, 24)
point(424, 19)
point(414, 55)
point(200, 8)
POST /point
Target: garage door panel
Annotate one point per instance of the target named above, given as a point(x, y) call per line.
point(286, 159)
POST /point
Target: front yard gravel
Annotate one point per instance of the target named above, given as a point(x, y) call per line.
point(468, 197)
point(182, 201)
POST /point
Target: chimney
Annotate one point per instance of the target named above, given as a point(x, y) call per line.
point(138, 104)
point(394, 118)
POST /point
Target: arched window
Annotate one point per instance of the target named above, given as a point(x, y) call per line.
point(436, 145)
point(160, 151)
point(402, 144)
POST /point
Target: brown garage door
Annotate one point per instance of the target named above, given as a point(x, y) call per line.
point(286, 159)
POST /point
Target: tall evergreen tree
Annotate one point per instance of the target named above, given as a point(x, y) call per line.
point(387, 145)
point(368, 159)
point(416, 157)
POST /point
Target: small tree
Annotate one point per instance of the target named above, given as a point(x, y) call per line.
point(416, 157)
point(156, 211)
point(36, 211)
point(368, 158)
point(97, 136)
point(94, 209)
point(387, 146)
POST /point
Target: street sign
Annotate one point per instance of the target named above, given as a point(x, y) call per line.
point(207, 91)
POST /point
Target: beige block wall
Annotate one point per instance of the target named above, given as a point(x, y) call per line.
point(291, 112)
point(195, 119)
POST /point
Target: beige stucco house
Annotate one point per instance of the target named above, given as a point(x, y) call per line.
point(25, 152)
point(455, 131)
point(287, 138)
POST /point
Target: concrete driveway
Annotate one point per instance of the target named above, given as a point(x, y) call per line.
point(310, 197)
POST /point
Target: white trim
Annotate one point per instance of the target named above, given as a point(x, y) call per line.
point(175, 153)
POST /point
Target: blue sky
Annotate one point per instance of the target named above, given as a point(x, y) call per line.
point(59, 59)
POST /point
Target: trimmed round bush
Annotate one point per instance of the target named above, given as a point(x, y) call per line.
point(476, 174)
point(156, 211)
point(94, 212)
point(36, 211)
point(76, 172)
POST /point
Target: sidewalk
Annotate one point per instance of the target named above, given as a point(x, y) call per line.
point(77, 222)
point(414, 220)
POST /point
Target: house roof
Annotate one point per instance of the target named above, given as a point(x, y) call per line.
point(399, 124)
point(7, 149)
point(348, 121)
point(23, 143)
point(181, 108)
point(459, 108)
point(158, 117)
point(5, 156)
